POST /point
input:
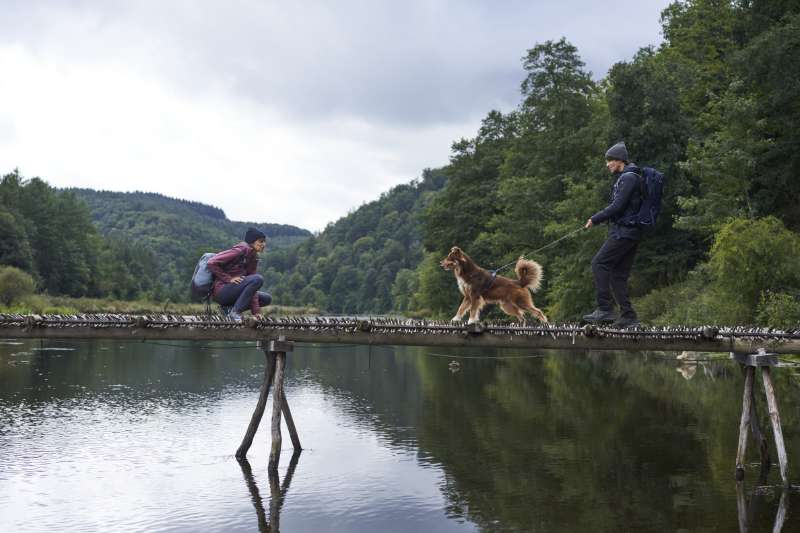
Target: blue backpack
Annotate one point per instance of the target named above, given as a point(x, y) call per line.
point(652, 191)
point(203, 278)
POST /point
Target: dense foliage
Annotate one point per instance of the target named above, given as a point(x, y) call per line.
point(145, 247)
point(713, 108)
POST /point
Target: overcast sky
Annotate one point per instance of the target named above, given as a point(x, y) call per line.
point(293, 112)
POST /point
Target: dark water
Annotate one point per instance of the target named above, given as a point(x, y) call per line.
point(107, 436)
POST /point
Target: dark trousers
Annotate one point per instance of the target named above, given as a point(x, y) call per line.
point(239, 294)
point(611, 268)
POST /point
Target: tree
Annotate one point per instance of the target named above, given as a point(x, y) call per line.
point(14, 285)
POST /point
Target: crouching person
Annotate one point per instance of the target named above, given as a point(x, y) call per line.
point(236, 283)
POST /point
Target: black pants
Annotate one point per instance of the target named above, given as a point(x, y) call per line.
point(611, 268)
point(239, 294)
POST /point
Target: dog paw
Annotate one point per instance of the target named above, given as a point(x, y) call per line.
point(470, 321)
point(455, 319)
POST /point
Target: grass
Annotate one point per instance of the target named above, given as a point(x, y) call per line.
point(62, 305)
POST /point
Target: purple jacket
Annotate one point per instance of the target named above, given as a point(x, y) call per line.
point(241, 260)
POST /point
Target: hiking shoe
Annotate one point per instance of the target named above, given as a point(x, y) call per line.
point(626, 322)
point(599, 316)
point(233, 315)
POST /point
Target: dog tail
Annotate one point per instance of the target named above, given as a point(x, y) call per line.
point(529, 274)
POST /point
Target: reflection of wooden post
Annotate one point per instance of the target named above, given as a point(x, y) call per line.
point(278, 349)
point(750, 418)
point(277, 494)
point(741, 508)
point(255, 420)
point(247, 472)
point(780, 516)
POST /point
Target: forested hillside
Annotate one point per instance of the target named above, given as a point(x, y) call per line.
point(362, 263)
point(127, 246)
point(715, 108)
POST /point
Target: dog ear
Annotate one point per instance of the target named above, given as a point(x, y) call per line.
point(455, 250)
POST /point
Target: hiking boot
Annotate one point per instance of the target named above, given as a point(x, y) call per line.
point(599, 316)
point(625, 322)
point(233, 315)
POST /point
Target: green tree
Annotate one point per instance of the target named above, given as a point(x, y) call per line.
point(14, 285)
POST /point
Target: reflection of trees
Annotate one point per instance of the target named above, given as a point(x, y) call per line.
point(570, 443)
point(140, 369)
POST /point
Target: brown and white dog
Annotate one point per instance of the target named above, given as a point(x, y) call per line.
point(479, 287)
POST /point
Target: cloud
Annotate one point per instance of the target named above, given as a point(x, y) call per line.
point(284, 112)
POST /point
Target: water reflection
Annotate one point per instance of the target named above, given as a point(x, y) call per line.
point(747, 511)
point(399, 439)
point(277, 493)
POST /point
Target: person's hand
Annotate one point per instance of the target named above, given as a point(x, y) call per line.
point(588, 224)
point(237, 280)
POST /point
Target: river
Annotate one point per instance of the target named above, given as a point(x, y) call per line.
point(111, 436)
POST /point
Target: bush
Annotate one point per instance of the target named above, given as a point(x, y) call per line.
point(15, 284)
point(752, 256)
point(779, 310)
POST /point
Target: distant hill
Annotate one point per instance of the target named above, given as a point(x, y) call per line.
point(147, 217)
point(177, 231)
point(362, 263)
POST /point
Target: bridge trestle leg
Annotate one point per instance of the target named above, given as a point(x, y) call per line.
point(273, 376)
point(255, 420)
point(750, 417)
point(277, 405)
point(775, 417)
point(278, 350)
point(745, 421)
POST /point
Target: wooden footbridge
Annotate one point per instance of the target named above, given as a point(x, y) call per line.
point(752, 348)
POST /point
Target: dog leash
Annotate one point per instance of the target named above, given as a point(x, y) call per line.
point(570, 234)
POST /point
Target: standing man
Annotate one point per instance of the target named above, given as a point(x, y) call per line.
point(611, 266)
point(236, 282)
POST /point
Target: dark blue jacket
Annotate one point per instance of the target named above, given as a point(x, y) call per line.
point(626, 198)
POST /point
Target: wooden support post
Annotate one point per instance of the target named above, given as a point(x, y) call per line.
point(745, 421)
point(287, 416)
point(772, 405)
point(762, 360)
point(255, 420)
point(277, 401)
point(279, 348)
point(758, 434)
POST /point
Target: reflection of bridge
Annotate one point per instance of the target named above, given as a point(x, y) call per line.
point(750, 347)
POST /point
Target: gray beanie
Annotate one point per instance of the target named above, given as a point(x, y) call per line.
point(618, 151)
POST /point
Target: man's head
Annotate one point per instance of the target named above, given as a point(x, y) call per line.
point(256, 239)
point(617, 157)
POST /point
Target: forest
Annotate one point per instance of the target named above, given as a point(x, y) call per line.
point(100, 244)
point(714, 107)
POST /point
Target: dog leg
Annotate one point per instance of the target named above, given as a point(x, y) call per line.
point(535, 311)
point(461, 310)
point(513, 310)
point(475, 311)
